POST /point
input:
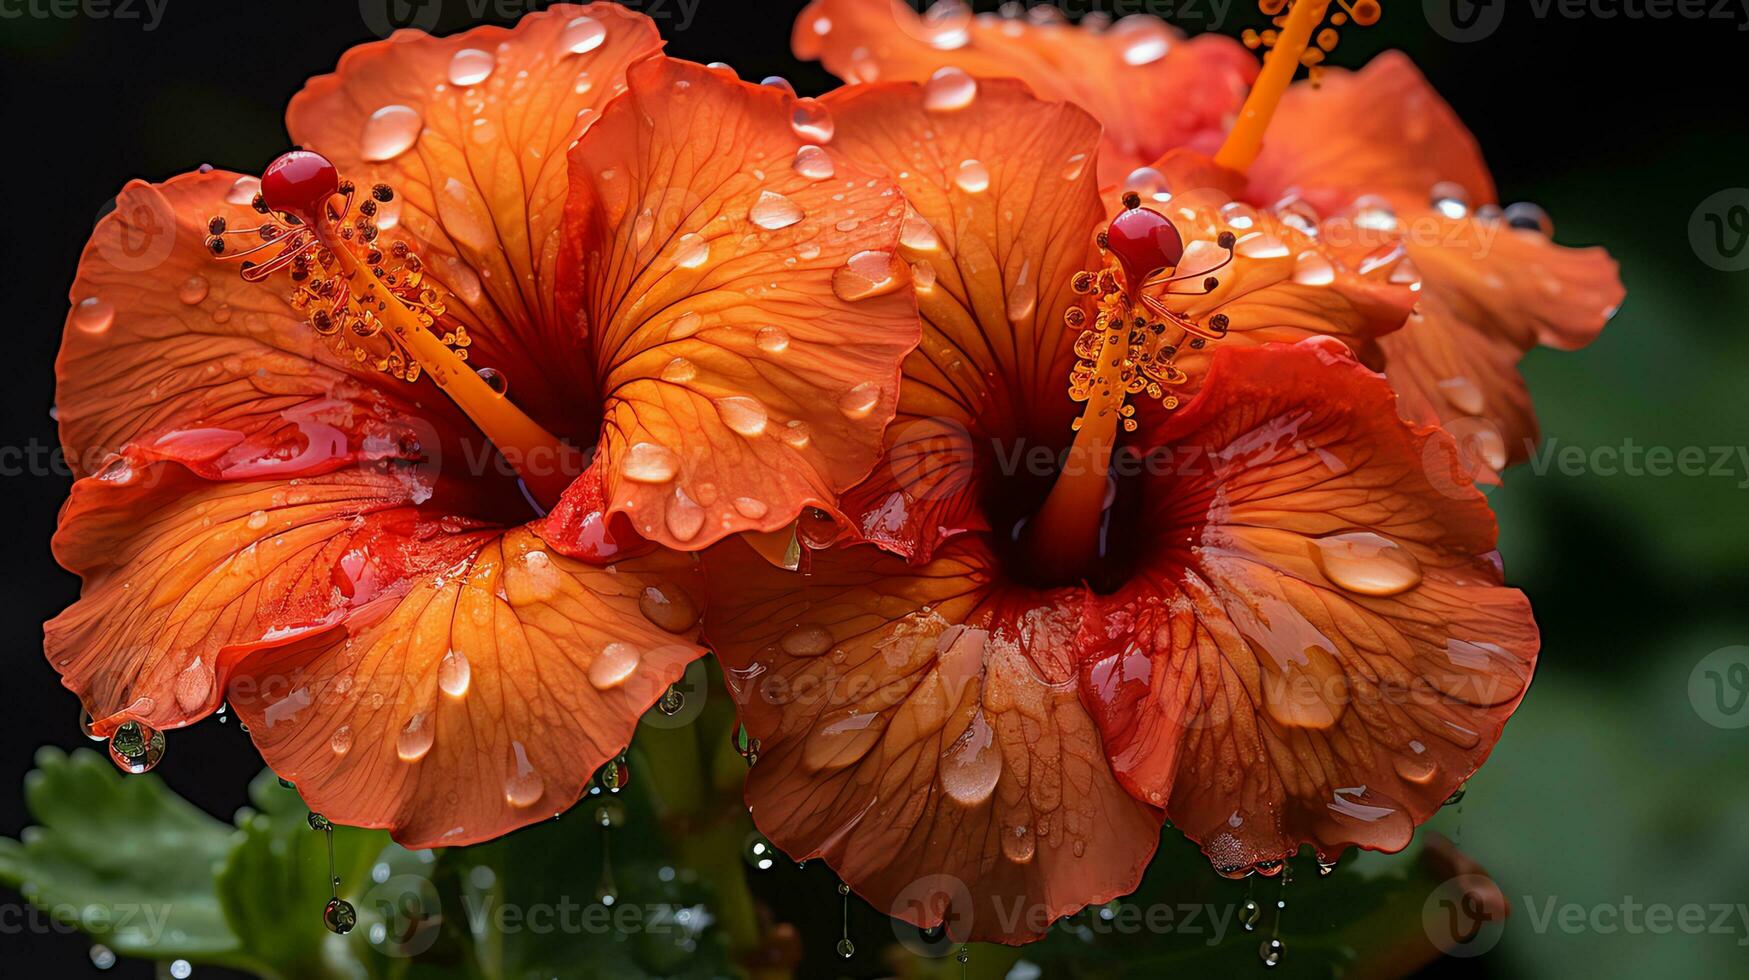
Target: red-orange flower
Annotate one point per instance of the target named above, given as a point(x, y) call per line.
point(277, 506)
point(1275, 599)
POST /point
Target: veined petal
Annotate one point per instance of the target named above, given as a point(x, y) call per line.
point(1004, 205)
point(742, 299)
point(472, 131)
point(168, 350)
point(918, 729)
point(1320, 650)
point(1152, 88)
point(406, 667)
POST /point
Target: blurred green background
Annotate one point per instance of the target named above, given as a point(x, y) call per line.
point(1609, 788)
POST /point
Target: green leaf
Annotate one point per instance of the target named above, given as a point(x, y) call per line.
point(124, 859)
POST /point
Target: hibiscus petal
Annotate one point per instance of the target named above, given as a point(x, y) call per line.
point(918, 729)
point(1152, 88)
point(1321, 649)
point(406, 667)
point(167, 349)
point(1381, 130)
point(994, 253)
point(471, 131)
point(746, 312)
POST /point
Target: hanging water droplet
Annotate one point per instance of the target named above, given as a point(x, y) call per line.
point(1325, 868)
point(615, 775)
point(1457, 795)
point(963, 955)
point(813, 163)
point(609, 813)
point(136, 747)
point(390, 132)
point(972, 176)
point(319, 822)
point(758, 852)
point(180, 969)
point(746, 745)
point(102, 957)
point(812, 121)
point(1249, 914)
point(582, 35)
point(471, 66)
point(85, 725)
point(1367, 563)
point(949, 89)
point(494, 379)
point(193, 290)
point(773, 211)
point(846, 948)
point(94, 314)
point(647, 462)
point(339, 916)
point(1271, 952)
point(671, 701)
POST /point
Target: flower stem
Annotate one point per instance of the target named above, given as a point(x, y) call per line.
point(1246, 139)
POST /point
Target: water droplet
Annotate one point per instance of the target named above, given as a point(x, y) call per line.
point(1019, 844)
point(243, 190)
point(615, 775)
point(813, 163)
point(972, 176)
point(691, 251)
point(390, 132)
point(669, 608)
point(1313, 269)
point(1367, 563)
point(582, 35)
point(1271, 952)
point(773, 211)
point(917, 233)
point(778, 82)
point(136, 747)
point(470, 66)
point(759, 853)
point(524, 786)
point(610, 812)
point(679, 371)
point(1528, 217)
point(647, 462)
point(1249, 914)
point(1457, 795)
point(806, 640)
point(743, 415)
point(85, 725)
point(193, 290)
point(684, 516)
point(1463, 395)
point(180, 969)
point(812, 121)
point(949, 89)
point(94, 314)
point(454, 674)
point(846, 948)
point(495, 380)
point(772, 340)
point(866, 275)
point(860, 401)
point(613, 665)
point(1023, 295)
point(341, 741)
point(973, 764)
point(415, 738)
point(1261, 245)
point(1145, 41)
point(339, 916)
point(102, 957)
point(947, 25)
point(751, 508)
point(745, 745)
point(319, 823)
point(1076, 166)
point(671, 701)
point(1151, 184)
point(1451, 200)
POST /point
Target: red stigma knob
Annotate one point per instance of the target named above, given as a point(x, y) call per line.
point(1144, 243)
point(299, 182)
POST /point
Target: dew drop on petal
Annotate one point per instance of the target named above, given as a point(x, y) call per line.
point(679, 371)
point(582, 35)
point(454, 674)
point(866, 275)
point(1145, 41)
point(972, 764)
point(94, 314)
point(243, 190)
point(193, 290)
point(1149, 183)
point(1313, 269)
point(1368, 564)
point(751, 508)
point(949, 89)
point(691, 251)
point(613, 665)
point(390, 132)
point(812, 121)
point(1464, 395)
point(524, 787)
point(646, 462)
point(669, 608)
point(1075, 167)
point(743, 415)
point(771, 340)
point(685, 518)
point(1451, 200)
point(807, 640)
point(813, 163)
point(860, 401)
point(972, 176)
point(340, 742)
point(773, 211)
point(415, 738)
point(917, 234)
point(685, 325)
point(471, 66)
point(1262, 245)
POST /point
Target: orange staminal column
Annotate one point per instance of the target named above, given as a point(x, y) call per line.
point(1246, 140)
point(355, 302)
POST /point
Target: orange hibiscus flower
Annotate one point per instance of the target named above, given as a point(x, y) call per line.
point(1373, 163)
point(286, 496)
point(1232, 587)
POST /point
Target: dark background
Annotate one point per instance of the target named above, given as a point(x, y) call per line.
point(1607, 784)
